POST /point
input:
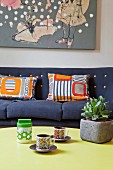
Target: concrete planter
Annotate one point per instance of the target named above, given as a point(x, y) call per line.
point(97, 132)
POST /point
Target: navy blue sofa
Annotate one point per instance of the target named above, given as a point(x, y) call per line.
point(48, 113)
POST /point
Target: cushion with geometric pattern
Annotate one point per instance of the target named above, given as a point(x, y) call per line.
point(68, 88)
point(17, 87)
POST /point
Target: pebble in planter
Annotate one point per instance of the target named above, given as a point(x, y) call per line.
point(96, 127)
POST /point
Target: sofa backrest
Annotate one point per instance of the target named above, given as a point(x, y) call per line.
point(100, 78)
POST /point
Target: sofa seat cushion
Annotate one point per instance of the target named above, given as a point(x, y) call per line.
point(72, 109)
point(35, 109)
point(3, 108)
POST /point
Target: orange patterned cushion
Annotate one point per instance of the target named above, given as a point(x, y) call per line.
point(67, 88)
point(17, 87)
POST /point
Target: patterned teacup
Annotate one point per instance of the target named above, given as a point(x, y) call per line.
point(60, 132)
point(43, 142)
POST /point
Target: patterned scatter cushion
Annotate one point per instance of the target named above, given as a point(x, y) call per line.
point(17, 87)
point(67, 88)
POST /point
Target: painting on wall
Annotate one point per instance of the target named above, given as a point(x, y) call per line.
point(58, 24)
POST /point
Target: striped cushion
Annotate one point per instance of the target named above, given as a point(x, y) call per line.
point(67, 88)
point(17, 87)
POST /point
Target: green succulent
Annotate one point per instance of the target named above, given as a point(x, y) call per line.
point(95, 109)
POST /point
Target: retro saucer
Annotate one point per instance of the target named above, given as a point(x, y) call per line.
point(67, 138)
point(52, 148)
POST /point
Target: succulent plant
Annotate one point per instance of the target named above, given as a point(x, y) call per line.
point(95, 109)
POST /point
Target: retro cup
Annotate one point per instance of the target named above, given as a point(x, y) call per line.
point(44, 141)
point(60, 132)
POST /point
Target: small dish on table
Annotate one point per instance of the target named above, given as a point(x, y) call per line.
point(34, 148)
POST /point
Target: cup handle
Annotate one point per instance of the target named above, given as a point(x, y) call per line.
point(52, 140)
point(67, 132)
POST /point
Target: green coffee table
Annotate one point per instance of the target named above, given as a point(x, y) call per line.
point(72, 155)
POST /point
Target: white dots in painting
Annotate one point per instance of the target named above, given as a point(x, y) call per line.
point(11, 24)
point(21, 16)
point(33, 2)
point(56, 20)
point(59, 26)
point(80, 31)
point(59, 2)
point(41, 16)
point(26, 2)
point(29, 8)
point(16, 12)
point(25, 13)
point(6, 17)
point(9, 8)
point(39, 3)
point(55, 7)
point(48, 16)
point(15, 18)
point(1, 12)
point(1, 24)
point(42, 10)
point(91, 15)
point(21, 7)
point(86, 24)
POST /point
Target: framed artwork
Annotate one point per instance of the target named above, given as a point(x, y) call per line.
point(58, 24)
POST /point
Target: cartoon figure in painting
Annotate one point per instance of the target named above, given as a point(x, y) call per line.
point(29, 30)
point(27, 27)
point(48, 4)
point(71, 14)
